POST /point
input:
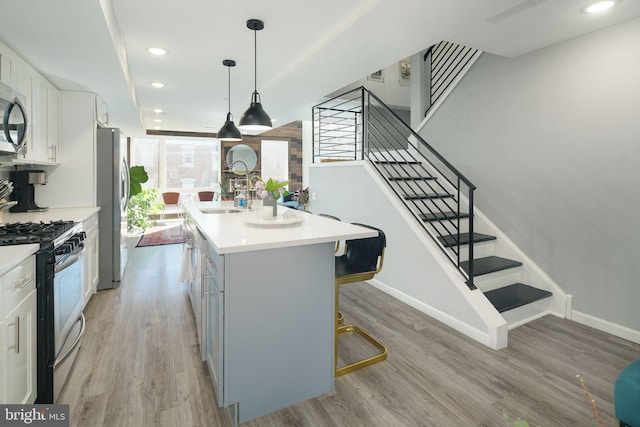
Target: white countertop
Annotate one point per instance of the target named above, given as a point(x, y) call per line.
point(53, 214)
point(229, 233)
point(10, 256)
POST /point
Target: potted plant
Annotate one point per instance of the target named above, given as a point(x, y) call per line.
point(142, 202)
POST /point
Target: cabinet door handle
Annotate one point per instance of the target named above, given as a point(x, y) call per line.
point(23, 282)
point(16, 345)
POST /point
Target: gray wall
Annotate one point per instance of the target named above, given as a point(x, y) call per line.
point(552, 140)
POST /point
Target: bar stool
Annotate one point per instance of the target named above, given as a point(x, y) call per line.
point(362, 260)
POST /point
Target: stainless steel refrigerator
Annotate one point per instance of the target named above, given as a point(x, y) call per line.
point(112, 173)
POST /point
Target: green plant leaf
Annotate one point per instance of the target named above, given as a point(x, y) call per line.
point(137, 177)
point(520, 423)
point(140, 207)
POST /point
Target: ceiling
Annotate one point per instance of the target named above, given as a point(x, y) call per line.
point(306, 50)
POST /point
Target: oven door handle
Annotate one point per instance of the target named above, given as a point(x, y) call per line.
point(59, 360)
point(70, 261)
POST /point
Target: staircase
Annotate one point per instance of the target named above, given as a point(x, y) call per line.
point(359, 126)
point(437, 210)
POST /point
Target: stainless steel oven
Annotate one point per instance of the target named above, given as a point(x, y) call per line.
point(59, 276)
point(68, 301)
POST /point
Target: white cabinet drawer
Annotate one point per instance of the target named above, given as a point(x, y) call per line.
point(214, 267)
point(17, 283)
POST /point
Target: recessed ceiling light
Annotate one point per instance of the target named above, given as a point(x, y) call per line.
point(600, 6)
point(158, 111)
point(157, 85)
point(157, 51)
point(158, 120)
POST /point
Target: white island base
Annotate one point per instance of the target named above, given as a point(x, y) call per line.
point(279, 328)
point(268, 307)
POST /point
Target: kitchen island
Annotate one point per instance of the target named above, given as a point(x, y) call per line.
point(268, 305)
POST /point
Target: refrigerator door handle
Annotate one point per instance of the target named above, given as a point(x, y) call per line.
point(126, 184)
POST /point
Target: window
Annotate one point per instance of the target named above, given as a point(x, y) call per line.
point(275, 160)
point(178, 163)
point(188, 160)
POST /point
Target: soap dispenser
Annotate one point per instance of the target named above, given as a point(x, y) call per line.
point(239, 200)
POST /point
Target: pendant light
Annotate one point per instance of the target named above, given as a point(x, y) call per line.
point(229, 131)
point(255, 118)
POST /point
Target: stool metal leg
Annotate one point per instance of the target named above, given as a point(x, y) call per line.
point(364, 362)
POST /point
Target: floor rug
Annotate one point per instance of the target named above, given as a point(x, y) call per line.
point(168, 234)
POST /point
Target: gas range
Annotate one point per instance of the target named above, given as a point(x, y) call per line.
point(19, 233)
point(60, 296)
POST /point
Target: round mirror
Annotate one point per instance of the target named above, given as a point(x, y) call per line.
point(238, 154)
point(15, 124)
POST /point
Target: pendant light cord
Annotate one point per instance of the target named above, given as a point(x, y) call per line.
point(255, 60)
point(229, 88)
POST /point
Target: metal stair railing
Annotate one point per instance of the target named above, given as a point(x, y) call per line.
point(357, 125)
point(446, 61)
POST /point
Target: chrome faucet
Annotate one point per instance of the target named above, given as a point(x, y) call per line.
point(247, 201)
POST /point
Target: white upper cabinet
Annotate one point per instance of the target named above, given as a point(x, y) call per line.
point(38, 140)
point(41, 101)
point(7, 67)
point(53, 125)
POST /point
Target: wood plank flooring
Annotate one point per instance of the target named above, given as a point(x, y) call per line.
point(139, 365)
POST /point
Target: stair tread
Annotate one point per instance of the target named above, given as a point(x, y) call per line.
point(427, 196)
point(452, 240)
point(490, 264)
point(440, 216)
point(514, 296)
point(410, 178)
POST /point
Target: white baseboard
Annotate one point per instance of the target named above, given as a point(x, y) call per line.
point(473, 333)
point(606, 326)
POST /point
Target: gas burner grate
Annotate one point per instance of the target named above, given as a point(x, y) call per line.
point(32, 232)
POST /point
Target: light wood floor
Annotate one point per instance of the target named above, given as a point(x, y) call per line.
point(139, 365)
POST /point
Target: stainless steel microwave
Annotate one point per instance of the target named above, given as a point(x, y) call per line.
point(13, 125)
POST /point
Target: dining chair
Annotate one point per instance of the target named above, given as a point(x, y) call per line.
point(206, 196)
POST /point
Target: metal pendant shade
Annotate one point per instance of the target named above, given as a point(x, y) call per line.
point(229, 131)
point(255, 118)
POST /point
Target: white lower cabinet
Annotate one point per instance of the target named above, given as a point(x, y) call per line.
point(269, 337)
point(91, 257)
point(18, 341)
point(2, 398)
point(213, 284)
point(18, 338)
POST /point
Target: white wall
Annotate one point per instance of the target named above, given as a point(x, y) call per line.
point(414, 269)
point(552, 140)
point(390, 91)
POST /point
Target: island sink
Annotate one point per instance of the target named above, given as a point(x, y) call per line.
point(220, 210)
